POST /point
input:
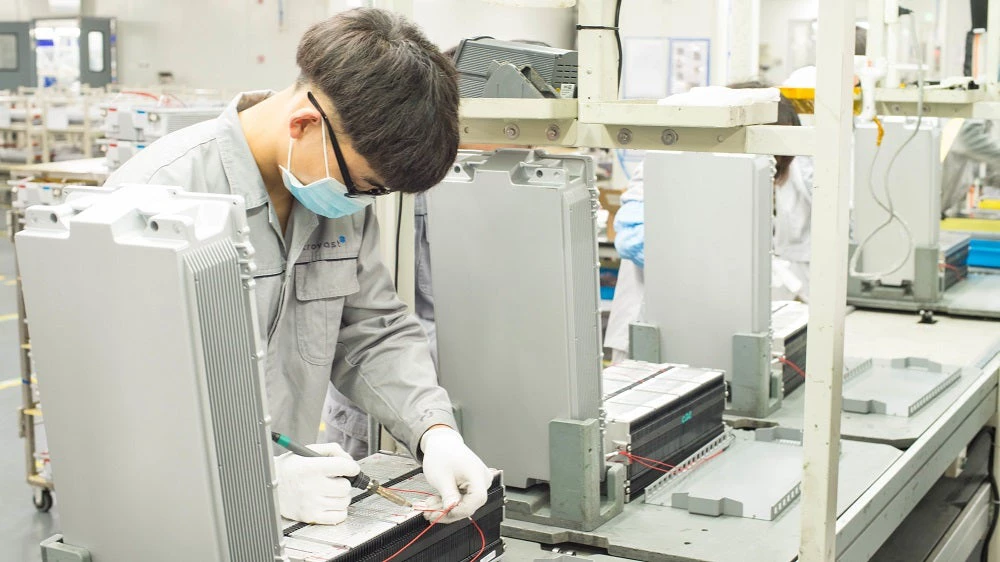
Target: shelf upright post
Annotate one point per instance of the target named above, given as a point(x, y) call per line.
point(828, 272)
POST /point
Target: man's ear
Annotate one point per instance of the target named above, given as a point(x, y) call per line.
point(301, 119)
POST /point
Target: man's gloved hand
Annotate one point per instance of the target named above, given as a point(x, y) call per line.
point(455, 472)
point(313, 489)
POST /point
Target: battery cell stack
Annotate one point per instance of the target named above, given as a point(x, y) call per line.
point(377, 529)
point(659, 415)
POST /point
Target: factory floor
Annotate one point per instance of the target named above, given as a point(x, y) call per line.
point(22, 527)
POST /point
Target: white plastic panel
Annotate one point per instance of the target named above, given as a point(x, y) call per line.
point(915, 184)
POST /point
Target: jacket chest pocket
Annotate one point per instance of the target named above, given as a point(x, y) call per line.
point(320, 290)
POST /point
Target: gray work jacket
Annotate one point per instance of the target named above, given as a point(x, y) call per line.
point(327, 306)
point(976, 142)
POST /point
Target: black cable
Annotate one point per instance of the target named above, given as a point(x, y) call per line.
point(994, 496)
point(618, 39)
point(399, 230)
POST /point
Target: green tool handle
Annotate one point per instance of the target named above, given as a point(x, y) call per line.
point(361, 481)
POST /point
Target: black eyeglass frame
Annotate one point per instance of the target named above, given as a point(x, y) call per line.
point(352, 190)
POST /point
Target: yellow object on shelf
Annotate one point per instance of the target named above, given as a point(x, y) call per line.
point(804, 99)
point(971, 225)
point(989, 204)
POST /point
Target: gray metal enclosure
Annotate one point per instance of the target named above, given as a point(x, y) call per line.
point(708, 267)
point(151, 369)
point(915, 186)
point(17, 55)
point(514, 258)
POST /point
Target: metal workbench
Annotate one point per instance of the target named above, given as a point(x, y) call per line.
point(91, 170)
point(870, 508)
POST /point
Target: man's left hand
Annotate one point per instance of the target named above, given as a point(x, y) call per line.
point(456, 473)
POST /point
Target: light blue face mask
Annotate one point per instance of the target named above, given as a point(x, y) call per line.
point(326, 197)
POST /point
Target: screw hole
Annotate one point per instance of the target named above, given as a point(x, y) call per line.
point(458, 169)
point(154, 225)
point(539, 173)
point(685, 542)
point(53, 217)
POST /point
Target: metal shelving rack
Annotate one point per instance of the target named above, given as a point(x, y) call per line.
point(30, 411)
point(24, 133)
point(600, 119)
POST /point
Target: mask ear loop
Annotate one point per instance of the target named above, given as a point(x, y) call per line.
point(326, 157)
point(288, 164)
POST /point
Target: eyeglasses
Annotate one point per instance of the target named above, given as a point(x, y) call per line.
point(352, 190)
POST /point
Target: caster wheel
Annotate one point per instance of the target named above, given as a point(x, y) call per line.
point(927, 317)
point(42, 501)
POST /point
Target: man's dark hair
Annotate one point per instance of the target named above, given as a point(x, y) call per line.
point(786, 116)
point(395, 94)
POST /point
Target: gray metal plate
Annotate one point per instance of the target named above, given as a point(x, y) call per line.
point(751, 479)
point(897, 387)
point(977, 295)
point(661, 534)
point(952, 341)
point(956, 341)
point(880, 428)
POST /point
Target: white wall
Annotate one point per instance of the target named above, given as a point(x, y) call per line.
point(446, 22)
point(232, 45)
point(662, 19)
point(213, 44)
point(24, 10)
point(216, 44)
point(777, 14)
point(14, 10)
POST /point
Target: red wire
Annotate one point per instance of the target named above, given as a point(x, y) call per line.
point(481, 536)
point(649, 465)
point(177, 99)
point(422, 533)
point(141, 93)
point(693, 465)
point(647, 459)
point(794, 367)
point(953, 268)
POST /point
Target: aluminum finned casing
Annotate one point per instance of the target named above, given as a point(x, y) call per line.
point(151, 368)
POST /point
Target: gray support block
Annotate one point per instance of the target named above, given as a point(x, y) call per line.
point(926, 281)
point(924, 288)
point(754, 392)
point(574, 498)
point(575, 456)
point(54, 550)
point(644, 342)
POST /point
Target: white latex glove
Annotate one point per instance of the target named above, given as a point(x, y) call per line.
point(313, 489)
point(455, 472)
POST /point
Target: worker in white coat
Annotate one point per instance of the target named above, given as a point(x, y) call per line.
point(309, 161)
point(626, 307)
point(793, 184)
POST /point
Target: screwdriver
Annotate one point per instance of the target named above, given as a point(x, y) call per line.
point(361, 481)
